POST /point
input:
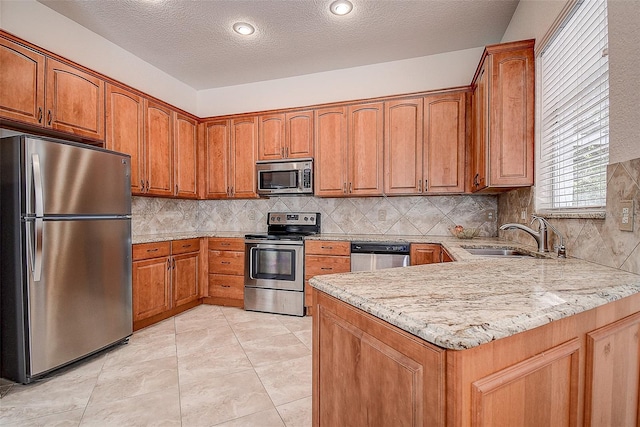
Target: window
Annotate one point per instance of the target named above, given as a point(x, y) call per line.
point(573, 113)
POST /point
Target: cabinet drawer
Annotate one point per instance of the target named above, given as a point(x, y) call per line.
point(316, 265)
point(151, 250)
point(325, 247)
point(185, 246)
point(226, 262)
point(226, 244)
point(225, 286)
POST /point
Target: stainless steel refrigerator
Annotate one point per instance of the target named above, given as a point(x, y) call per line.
point(65, 233)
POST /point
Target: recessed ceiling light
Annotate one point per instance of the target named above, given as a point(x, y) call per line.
point(243, 28)
point(341, 7)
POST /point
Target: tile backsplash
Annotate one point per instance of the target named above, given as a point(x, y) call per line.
point(419, 215)
point(597, 240)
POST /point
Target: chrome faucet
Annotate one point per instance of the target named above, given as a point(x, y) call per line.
point(540, 235)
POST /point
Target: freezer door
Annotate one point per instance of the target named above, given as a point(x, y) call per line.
point(70, 180)
point(82, 302)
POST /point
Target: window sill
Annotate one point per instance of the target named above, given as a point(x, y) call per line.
point(572, 215)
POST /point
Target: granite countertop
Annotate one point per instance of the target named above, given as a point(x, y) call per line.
point(163, 237)
point(469, 302)
point(463, 304)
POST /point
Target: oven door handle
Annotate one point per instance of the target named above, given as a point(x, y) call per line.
point(252, 251)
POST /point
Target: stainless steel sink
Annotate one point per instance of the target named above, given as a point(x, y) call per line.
point(498, 252)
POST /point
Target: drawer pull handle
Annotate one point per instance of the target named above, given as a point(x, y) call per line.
point(225, 244)
point(326, 268)
point(225, 262)
point(186, 246)
point(226, 286)
point(327, 247)
point(152, 250)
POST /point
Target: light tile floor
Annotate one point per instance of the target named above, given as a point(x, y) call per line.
point(209, 366)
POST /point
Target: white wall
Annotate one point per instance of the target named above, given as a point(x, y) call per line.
point(42, 26)
point(624, 80)
point(533, 18)
point(390, 78)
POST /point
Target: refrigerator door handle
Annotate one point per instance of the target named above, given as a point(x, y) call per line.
point(37, 263)
point(34, 247)
point(37, 183)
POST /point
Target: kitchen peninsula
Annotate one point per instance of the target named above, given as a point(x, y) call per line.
point(480, 341)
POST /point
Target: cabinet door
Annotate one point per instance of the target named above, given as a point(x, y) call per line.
point(185, 149)
point(479, 150)
point(403, 146)
point(613, 374)
point(444, 143)
point(217, 157)
point(125, 131)
point(75, 101)
point(244, 140)
point(365, 168)
point(159, 143)
point(151, 290)
point(271, 140)
point(299, 134)
point(511, 118)
point(425, 253)
point(185, 278)
point(331, 152)
point(21, 83)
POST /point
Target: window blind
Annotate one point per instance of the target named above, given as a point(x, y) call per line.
point(574, 112)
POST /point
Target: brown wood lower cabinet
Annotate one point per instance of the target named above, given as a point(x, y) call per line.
point(226, 272)
point(581, 370)
point(323, 257)
point(166, 277)
point(428, 253)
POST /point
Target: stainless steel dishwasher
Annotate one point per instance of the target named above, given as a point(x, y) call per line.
point(368, 256)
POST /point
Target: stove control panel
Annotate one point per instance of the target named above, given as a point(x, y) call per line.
point(293, 218)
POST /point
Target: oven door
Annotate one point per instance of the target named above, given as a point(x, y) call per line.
point(274, 265)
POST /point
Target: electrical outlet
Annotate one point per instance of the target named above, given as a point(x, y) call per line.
point(490, 216)
point(626, 215)
point(523, 216)
point(252, 215)
point(382, 215)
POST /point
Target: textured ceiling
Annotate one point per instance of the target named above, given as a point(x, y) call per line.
point(193, 41)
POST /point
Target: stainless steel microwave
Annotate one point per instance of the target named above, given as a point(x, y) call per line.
point(285, 177)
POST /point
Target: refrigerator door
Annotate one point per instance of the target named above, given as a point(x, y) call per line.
point(82, 302)
point(63, 179)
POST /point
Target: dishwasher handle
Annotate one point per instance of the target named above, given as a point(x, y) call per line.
point(392, 248)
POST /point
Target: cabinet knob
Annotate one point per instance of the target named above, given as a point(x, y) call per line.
point(142, 185)
point(49, 118)
point(282, 152)
point(39, 114)
point(147, 185)
point(426, 185)
point(344, 189)
point(350, 187)
point(176, 189)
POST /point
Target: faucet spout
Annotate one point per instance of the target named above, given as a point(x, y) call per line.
point(540, 235)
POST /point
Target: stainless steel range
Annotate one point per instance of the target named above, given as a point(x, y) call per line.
point(274, 263)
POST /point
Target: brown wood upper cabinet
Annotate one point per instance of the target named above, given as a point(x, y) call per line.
point(41, 91)
point(285, 136)
point(162, 144)
point(349, 150)
point(185, 156)
point(503, 118)
point(424, 144)
point(125, 131)
point(230, 158)
point(159, 143)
